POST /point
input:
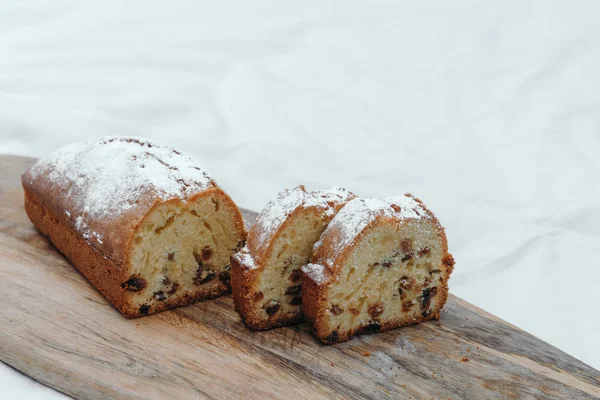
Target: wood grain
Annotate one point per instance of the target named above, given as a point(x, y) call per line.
point(56, 328)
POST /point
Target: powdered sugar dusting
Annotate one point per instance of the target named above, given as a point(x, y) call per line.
point(329, 198)
point(315, 271)
point(107, 177)
point(273, 215)
point(246, 258)
point(409, 207)
point(279, 208)
point(357, 214)
point(350, 221)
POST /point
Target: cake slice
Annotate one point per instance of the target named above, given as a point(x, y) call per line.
point(145, 224)
point(379, 265)
point(266, 273)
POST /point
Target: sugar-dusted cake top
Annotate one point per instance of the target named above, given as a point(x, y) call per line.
point(96, 182)
point(284, 204)
point(355, 216)
point(109, 174)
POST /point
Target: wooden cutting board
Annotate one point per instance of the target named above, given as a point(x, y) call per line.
point(56, 328)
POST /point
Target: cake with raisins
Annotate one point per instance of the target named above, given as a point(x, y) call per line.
point(379, 265)
point(145, 224)
point(265, 275)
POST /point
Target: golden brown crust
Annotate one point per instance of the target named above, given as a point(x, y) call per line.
point(311, 298)
point(241, 275)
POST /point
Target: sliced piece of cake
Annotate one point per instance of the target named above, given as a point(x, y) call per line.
point(379, 265)
point(145, 224)
point(265, 275)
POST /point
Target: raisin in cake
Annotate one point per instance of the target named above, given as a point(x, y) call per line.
point(380, 264)
point(145, 224)
point(266, 273)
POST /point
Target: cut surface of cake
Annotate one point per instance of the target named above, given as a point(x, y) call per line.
point(145, 224)
point(379, 265)
point(266, 273)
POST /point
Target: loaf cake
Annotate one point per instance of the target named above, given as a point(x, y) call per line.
point(266, 272)
point(145, 224)
point(379, 265)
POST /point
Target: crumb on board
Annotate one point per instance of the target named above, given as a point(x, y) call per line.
point(403, 386)
point(366, 353)
point(465, 359)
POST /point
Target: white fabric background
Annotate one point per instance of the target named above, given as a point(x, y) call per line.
point(488, 112)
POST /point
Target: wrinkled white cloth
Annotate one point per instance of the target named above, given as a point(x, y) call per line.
point(490, 113)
